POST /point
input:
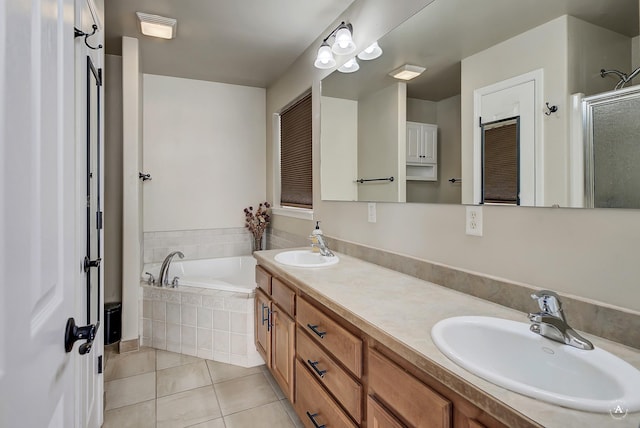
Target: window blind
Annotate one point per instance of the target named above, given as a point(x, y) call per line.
point(295, 155)
point(501, 164)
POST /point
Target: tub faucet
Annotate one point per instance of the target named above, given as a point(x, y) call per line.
point(163, 279)
point(550, 321)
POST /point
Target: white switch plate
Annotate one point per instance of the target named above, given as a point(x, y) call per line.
point(474, 220)
point(372, 212)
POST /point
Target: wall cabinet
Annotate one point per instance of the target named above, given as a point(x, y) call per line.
point(336, 376)
point(422, 151)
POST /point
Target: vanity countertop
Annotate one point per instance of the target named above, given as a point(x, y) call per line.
point(399, 311)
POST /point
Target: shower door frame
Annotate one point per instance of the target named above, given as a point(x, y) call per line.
point(588, 103)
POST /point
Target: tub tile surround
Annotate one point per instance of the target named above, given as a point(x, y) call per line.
point(197, 244)
point(211, 324)
point(400, 317)
point(607, 321)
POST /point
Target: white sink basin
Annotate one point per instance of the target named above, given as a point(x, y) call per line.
point(305, 258)
point(507, 354)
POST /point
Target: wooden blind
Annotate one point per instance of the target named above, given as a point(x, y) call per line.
point(295, 155)
point(501, 164)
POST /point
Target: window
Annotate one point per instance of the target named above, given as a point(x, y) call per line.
point(501, 175)
point(295, 155)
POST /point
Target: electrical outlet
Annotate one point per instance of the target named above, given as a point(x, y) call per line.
point(372, 212)
point(474, 220)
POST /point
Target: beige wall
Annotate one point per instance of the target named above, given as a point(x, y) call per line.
point(339, 133)
point(445, 114)
point(204, 146)
point(540, 48)
point(590, 49)
point(587, 253)
point(113, 179)
point(381, 143)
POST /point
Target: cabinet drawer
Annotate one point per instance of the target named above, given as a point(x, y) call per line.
point(314, 406)
point(346, 347)
point(378, 416)
point(344, 388)
point(410, 399)
point(263, 279)
point(283, 296)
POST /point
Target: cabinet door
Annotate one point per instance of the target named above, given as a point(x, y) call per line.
point(263, 326)
point(414, 137)
point(283, 350)
point(429, 144)
point(379, 417)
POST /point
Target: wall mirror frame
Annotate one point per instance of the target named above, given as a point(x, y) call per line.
point(466, 46)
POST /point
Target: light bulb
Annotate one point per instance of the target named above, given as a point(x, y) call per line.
point(325, 57)
point(343, 44)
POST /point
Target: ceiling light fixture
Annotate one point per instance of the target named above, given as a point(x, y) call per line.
point(343, 45)
point(349, 66)
point(407, 72)
point(157, 26)
point(372, 52)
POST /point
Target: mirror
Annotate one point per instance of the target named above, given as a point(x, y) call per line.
point(374, 126)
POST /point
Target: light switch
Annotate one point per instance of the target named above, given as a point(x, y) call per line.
point(372, 212)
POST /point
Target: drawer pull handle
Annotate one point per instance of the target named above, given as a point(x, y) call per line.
point(313, 420)
point(314, 328)
point(263, 317)
point(314, 366)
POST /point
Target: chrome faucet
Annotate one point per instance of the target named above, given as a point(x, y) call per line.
point(163, 279)
point(550, 321)
point(318, 242)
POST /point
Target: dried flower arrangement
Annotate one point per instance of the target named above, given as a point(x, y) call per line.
point(257, 222)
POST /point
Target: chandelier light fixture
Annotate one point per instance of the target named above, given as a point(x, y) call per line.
point(350, 66)
point(372, 52)
point(342, 45)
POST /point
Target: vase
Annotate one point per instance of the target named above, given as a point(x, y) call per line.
point(257, 243)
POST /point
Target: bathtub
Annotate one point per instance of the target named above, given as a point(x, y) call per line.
point(235, 274)
point(210, 314)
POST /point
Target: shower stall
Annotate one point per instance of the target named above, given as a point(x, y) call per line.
point(606, 149)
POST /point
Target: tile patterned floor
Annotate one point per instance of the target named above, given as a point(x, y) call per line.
point(158, 389)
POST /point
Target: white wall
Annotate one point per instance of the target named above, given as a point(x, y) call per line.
point(381, 143)
point(339, 148)
point(204, 146)
point(591, 253)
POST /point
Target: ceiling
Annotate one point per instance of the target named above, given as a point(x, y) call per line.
point(243, 42)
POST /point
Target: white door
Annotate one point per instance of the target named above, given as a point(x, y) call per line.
point(39, 270)
point(88, 77)
point(518, 97)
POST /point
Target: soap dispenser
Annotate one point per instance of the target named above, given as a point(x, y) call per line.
point(314, 234)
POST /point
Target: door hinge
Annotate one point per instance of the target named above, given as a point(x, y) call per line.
point(99, 220)
point(100, 364)
point(480, 121)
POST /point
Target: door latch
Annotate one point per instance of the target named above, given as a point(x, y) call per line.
point(72, 333)
point(88, 264)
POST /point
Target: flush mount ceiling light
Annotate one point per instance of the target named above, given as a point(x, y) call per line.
point(349, 66)
point(372, 52)
point(407, 72)
point(157, 26)
point(343, 45)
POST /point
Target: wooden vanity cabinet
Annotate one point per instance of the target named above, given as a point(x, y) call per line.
point(275, 328)
point(336, 376)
